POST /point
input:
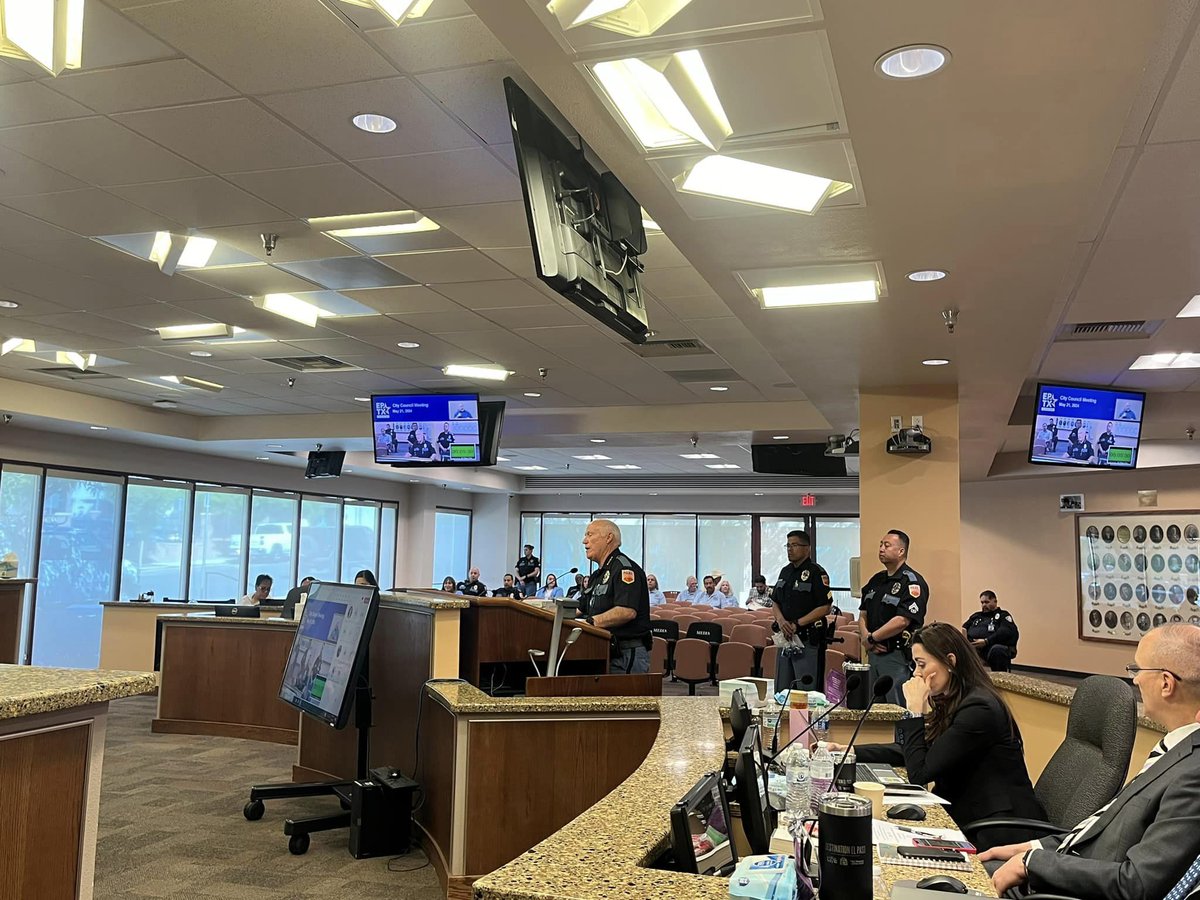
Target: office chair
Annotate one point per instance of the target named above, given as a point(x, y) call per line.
point(1101, 727)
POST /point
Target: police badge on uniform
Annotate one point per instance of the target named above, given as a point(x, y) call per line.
point(895, 587)
point(914, 591)
point(804, 575)
point(627, 576)
point(604, 580)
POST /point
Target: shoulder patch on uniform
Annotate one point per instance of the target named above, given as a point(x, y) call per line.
point(825, 579)
point(895, 587)
point(914, 591)
point(913, 608)
point(804, 575)
point(628, 576)
point(1007, 618)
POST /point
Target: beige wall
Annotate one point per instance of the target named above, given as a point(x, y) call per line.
point(917, 494)
point(1016, 542)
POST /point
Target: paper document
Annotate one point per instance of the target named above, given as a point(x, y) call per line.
point(904, 835)
point(891, 798)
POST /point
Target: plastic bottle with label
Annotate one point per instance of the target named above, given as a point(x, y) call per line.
point(821, 773)
point(797, 713)
point(799, 784)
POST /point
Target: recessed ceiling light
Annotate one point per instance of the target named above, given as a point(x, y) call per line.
point(532, 468)
point(623, 466)
point(396, 11)
point(195, 332)
point(98, 427)
point(718, 387)
point(721, 466)
point(503, 459)
point(483, 373)
point(203, 354)
point(402, 221)
point(649, 224)
point(927, 275)
point(597, 440)
point(758, 493)
point(726, 178)
point(787, 296)
point(81, 361)
point(274, 446)
point(592, 456)
point(532, 394)
point(21, 345)
point(1167, 361)
point(654, 493)
point(408, 345)
point(913, 61)
point(263, 458)
point(189, 381)
point(49, 34)
point(635, 18)
point(180, 251)
point(1191, 310)
point(935, 362)
point(374, 123)
point(699, 456)
point(289, 307)
point(363, 399)
point(9, 304)
point(780, 437)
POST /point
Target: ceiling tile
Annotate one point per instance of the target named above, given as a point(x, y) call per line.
point(91, 212)
point(227, 136)
point(98, 151)
point(110, 40)
point(518, 260)
point(200, 202)
point(346, 273)
point(531, 316)
point(23, 175)
point(154, 315)
point(445, 266)
point(325, 114)
point(475, 94)
point(267, 45)
point(1160, 196)
point(27, 102)
point(333, 190)
point(679, 282)
point(11, 72)
point(441, 322)
point(167, 82)
point(16, 227)
point(451, 178)
point(250, 280)
point(401, 301)
point(91, 326)
point(296, 241)
point(426, 44)
point(488, 295)
point(486, 225)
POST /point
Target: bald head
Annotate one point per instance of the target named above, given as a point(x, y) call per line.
point(1177, 647)
point(600, 539)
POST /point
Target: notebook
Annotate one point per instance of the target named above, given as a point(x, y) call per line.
point(888, 856)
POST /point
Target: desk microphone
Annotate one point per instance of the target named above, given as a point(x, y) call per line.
point(878, 691)
point(571, 638)
point(852, 680)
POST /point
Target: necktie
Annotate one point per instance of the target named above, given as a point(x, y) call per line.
point(1079, 830)
point(1187, 884)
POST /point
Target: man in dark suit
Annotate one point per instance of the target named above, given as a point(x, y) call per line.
point(1141, 844)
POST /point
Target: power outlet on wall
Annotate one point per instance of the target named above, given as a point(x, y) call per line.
point(918, 422)
point(896, 423)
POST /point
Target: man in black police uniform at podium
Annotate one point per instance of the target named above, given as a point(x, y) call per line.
point(800, 600)
point(993, 633)
point(529, 571)
point(893, 607)
point(618, 599)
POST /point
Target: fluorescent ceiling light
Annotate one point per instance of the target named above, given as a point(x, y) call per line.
point(203, 354)
point(363, 399)
point(726, 178)
point(722, 466)
point(98, 427)
point(926, 275)
point(177, 251)
point(20, 345)
point(485, 373)
point(263, 458)
point(719, 388)
point(649, 224)
point(401, 221)
point(503, 459)
point(935, 362)
point(530, 468)
point(533, 394)
point(1167, 361)
point(1192, 310)
point(818, 294)
point(188, 381)
point(699, 456)
point(192, 332)
point(914, 61)
point(593, 457)
point(598, 440)
point(668, 101)
point(396, 11)
point(47, 32)
point(290, 308)
point(81, 361)
point(636, 18)
point(623, 467)
point(408, 345)
point(9, 304)
point(780, 437)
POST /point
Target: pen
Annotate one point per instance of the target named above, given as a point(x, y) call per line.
point(916, 831)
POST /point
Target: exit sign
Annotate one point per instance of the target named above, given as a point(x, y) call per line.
point(808, 500)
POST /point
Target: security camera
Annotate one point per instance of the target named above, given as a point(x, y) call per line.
point(950, 318)
point(269, 241)
point(319, 446)
point(543, 372)
point(7, 418)
point(694, 440)
point(291, 382)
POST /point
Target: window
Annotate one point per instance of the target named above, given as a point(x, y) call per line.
point(451, 544)
point(836, 542)
point(562, 546)
point(387, 547)
point(772, 554)
point(156, 524)
point(76, 567)
point(320, 539)
point(218, 568)
point(531, 532)
point(723, 545)
point(360, 540)
point(273, 541)
point(631, 534)
point(670, 550)
point(20, 497)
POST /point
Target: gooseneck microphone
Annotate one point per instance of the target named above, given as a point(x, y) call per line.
point(878, 691)
point(571, 638)
point(852, 681)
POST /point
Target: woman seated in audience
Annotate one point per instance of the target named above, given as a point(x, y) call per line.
point(550, 590)
point(961, 736)
point(449, 585)
point(366, 576)
point(727, 589)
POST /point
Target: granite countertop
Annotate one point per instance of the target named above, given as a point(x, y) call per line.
point(205, 619)
point(28, 690)
point(461, 697)
point(169, 604)
point(426, 598)
point(1053, 692)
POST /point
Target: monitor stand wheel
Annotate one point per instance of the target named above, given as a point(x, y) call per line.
point(253, 811)
point(298, 844)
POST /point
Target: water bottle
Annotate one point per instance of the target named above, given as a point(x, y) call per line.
point(799, 786)
point(821, 773)
point(770, 721)
point(820, 731)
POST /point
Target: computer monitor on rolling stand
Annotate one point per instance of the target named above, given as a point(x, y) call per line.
point(701, 838)
point(750, 791)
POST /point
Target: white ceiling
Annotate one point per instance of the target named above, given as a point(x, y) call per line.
point(232, 118)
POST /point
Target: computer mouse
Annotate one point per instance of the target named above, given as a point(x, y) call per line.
point(909, 812)
point(946, 883)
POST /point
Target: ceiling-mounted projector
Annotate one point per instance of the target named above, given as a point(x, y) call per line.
point(909, 440)
point(842, 445)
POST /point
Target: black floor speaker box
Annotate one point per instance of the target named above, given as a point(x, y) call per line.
point(381, 814)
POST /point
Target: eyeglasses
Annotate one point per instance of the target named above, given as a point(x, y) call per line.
point(1135, 670)
point(797, 546)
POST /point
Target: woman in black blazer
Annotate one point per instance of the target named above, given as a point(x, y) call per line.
point(961, 736)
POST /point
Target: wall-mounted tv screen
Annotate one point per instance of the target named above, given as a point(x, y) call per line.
point(426, 429)
point(1093, 427)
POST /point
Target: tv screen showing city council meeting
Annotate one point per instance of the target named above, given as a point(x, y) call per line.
point(412, 429)
point(1086, 426)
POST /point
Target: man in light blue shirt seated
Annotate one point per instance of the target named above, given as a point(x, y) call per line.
point(714, 598)
point(692, 594)
point(657, 597)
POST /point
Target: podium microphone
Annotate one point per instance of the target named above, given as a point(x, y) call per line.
point(851, 682)
point(571, 638)
point(878, 691)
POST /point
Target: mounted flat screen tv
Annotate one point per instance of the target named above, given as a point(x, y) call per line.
point(426, 429)
point(1090, 427)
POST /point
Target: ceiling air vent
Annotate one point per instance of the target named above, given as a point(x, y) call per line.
point(73, 374)
point(1108, 331)
point(685, 347)
point(313, 364)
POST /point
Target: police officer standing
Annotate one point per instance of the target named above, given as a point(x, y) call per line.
point(800, 602)
point(993, 633)
point(893, 607)
point(618, 599)
point(529, 571)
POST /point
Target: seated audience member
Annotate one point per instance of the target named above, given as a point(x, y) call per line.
point(293, 597)
point(449, 585)
point(657, 597)
point(577, 587)
point(550, 590)
point(727, 589)
point(509, 589)
point(692, 594)
point(366, 576)
point(1140, 845)
point(712, 597)
point(759, 596)
point(262, 590)
point(472, 587)
point(992, 632)
point(960, 735)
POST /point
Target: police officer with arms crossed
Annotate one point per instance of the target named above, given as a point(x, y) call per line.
point(618, 599)
point(801, 601)
point(992, 632)
point(893, 607)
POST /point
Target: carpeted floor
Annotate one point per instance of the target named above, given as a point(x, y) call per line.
point(171, 825)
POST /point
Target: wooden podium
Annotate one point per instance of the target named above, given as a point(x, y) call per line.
point(503, 630)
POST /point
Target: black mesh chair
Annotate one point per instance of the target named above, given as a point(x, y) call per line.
point(1089, 766)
